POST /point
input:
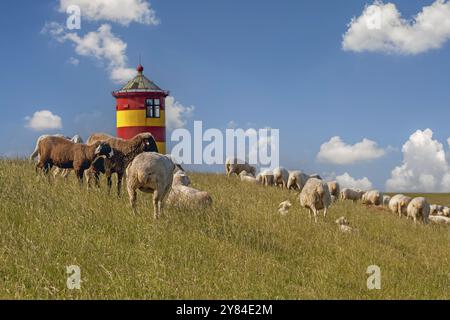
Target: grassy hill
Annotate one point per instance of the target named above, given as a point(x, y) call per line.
point(239, 248)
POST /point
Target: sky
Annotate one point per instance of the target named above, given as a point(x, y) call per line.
point(359, 90)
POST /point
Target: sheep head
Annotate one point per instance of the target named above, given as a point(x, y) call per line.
point(104, 149)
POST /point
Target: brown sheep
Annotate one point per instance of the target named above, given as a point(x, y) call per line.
point(64, 154)
point(124, 152)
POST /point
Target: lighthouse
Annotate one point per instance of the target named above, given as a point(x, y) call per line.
point(140, 107)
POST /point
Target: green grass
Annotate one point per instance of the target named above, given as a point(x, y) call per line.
point(240, 248)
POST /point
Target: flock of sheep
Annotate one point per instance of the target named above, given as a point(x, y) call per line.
point(316, 194)
point(148, 171)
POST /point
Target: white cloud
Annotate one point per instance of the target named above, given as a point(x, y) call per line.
point(381, 28)
point(336, 151)
point(176, 113)
point(74, 61)
point(43, 120)
point(424, 168)
point(119, 11)
point(347, 181)
point(102, 44)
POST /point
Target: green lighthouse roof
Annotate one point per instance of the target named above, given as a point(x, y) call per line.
point(140, 83)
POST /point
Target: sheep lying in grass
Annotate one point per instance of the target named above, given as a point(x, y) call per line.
point(344, 225)
point(150, 172)
point(335, 189)
point(315, 196)
point(244, 176)
point(124, 153)
point(181, 195)
point(283, 207)
point(372, 197)
point(439, 219)
point(398, 204)
point(281, 176)
point(351, 194)
point(297, 180)
point(234, 165)
point(60, 152)
point(418, 208)
point(265, 178)
point(438, 210)
point(386, 200)
point(180, 178)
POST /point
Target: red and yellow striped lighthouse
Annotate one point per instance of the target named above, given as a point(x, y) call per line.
point(140, 107)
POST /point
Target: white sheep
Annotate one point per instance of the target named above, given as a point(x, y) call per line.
point(244, 176)
point(418, 208)
point(344, 225)
point(334, 188)
point(283, 207)
point(180, 178)
point(439, 219)
point(315, 196)
point(351, 194)
point(372, 197)
point(234, 165)
point(297, 180)
point(399, 204)
point(265, 178)
point(281, 176)
point(150, 172)
point(188, 197)
point(386, 200)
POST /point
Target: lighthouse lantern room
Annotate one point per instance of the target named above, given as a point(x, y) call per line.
point(140, 107)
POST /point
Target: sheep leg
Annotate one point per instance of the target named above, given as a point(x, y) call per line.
point(119, 182)
point(325, 211)
point(156, 204)
point(315, 214)
point(80, 174)
point(56, 172)
point(65, 173)
point(132, 197)
point(109, 182)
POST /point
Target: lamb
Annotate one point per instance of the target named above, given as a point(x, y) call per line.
point(188, 197)
point(60, 152)
point(351, 194)
point(266, 178)
point(372, 197)
point(418, 207)
point(399, 203)
point(150, 172)
point(334, 188)
point(386, 200)
point(344, 225)
point(283, 207)
point(439, 219)
point(315, 196)
point(244, 176)
point(180, 178)
point(124, 152)
point(281, 176)
point(234, 165)
point(297, 180)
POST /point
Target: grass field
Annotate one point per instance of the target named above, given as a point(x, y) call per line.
point(239, 248)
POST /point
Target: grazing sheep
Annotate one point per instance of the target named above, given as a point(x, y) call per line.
point(124, 152)
point(283, 207)
point(234, 165)
point(297, 180)
point(281, 176)
point(60, 152)
point(65, 172)
point(150, 172)
point(315, 196)
point(418, 207)
point(373, 197)
point(335, 189)
point(398, 204)
point(244, 176)
point(386, 200)
point(36, 148)
point(344, 225)
point(351, 194)
point(266, 178)
point(439, 219)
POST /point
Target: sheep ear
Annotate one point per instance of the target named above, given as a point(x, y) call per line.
point(179, 167)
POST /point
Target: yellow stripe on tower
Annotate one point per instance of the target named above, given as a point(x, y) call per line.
point(161, 147)
point(138, 118)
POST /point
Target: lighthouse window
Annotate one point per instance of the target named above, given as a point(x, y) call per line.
point(153, 108)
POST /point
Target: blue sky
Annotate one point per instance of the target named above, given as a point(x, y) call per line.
point(251, 62)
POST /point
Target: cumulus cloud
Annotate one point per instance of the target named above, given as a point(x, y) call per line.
point(176, 113)
point(347, 181)
point(424, 168)
point(43, 120)
point(381, 28)
point(119, 11)
point(102, 45)
point(74, 61)
point(336, 151)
